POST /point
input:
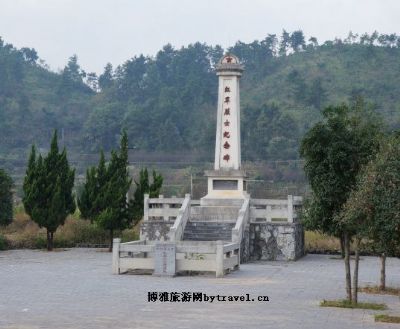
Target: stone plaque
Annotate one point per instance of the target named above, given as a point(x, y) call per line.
point(164, 258)
point(219, 184)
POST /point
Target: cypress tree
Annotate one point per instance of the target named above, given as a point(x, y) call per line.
point(104, 198)
point(6, 212)
point(48, 197)
point(143, 186)
point(87, 198)
point(117, 214)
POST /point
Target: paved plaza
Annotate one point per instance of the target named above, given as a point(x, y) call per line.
point(75, 289)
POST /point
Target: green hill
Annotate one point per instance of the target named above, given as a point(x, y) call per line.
point(34, 101)
point(167, 102)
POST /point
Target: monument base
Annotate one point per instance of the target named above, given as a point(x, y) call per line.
point(225, 188)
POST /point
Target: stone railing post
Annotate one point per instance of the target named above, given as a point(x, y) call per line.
point(290, 208)
point(268, 211)
point(164, 206)
point(176, 231)
point(219, 270)
point(115, 255)
point(146, 207)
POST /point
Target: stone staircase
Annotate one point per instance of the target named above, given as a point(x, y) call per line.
point(208, 231)
point(214, 213)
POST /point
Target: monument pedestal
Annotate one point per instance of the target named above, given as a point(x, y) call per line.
point(226, 187)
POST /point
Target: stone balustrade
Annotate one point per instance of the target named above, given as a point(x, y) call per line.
point(161, 209)
point(211, 256)
point(176, 231)
point(269, 210)
point(242, 222)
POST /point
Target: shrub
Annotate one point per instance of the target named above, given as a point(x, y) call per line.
point(40, 242)
point(3, 242)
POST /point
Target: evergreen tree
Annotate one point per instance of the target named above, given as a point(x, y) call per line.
point(143, 187)
point(92, 81)
point(317, 93)
point(48, 197)
point(6, 212)
point(106, 79)
point(270, 43)
point(297, 41)
point(87, 198)
point(104, 197)
point(72, 78)
point(73, 71)
point(284, 43)
point(313, 42)
point(334, 151)
point(155, 186)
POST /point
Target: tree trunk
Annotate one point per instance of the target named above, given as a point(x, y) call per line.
point(383, 272)
point(355, 274)
point(49, 240)
point(342, 245)
point(347, 265)
point(111, 240)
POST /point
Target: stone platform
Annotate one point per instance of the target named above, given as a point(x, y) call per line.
point(266, 229)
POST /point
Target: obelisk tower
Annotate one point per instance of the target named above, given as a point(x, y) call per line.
point(227, 145)
point(227, 181)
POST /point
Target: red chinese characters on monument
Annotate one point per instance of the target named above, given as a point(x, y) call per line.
point(227, 112)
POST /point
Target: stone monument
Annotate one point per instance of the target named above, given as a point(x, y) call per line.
point(226, 183)
point(226, 227)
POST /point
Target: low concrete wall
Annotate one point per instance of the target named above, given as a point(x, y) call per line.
point(276, 241)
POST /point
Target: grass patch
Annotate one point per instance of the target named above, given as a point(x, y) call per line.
point(3, 242)
point(321, 243)
point(347, 304)
point(377, 290)
point(279, 219)
point(387, 318)
point(315, 242)
point(23, 233)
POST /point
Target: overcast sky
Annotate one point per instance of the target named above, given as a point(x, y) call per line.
point(101, 31)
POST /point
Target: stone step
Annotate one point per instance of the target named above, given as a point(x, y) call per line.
point(211, 227)
point(209, 224)
point(216, 233)
point(216, 236)
point(206, 225)
point(189, 230)
point(214, 214)
point(207, 239)
point(208, 231)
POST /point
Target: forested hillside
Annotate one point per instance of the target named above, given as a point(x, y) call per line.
point(168, 102)
point(34, 100)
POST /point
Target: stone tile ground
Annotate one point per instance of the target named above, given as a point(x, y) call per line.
point(75, 289)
